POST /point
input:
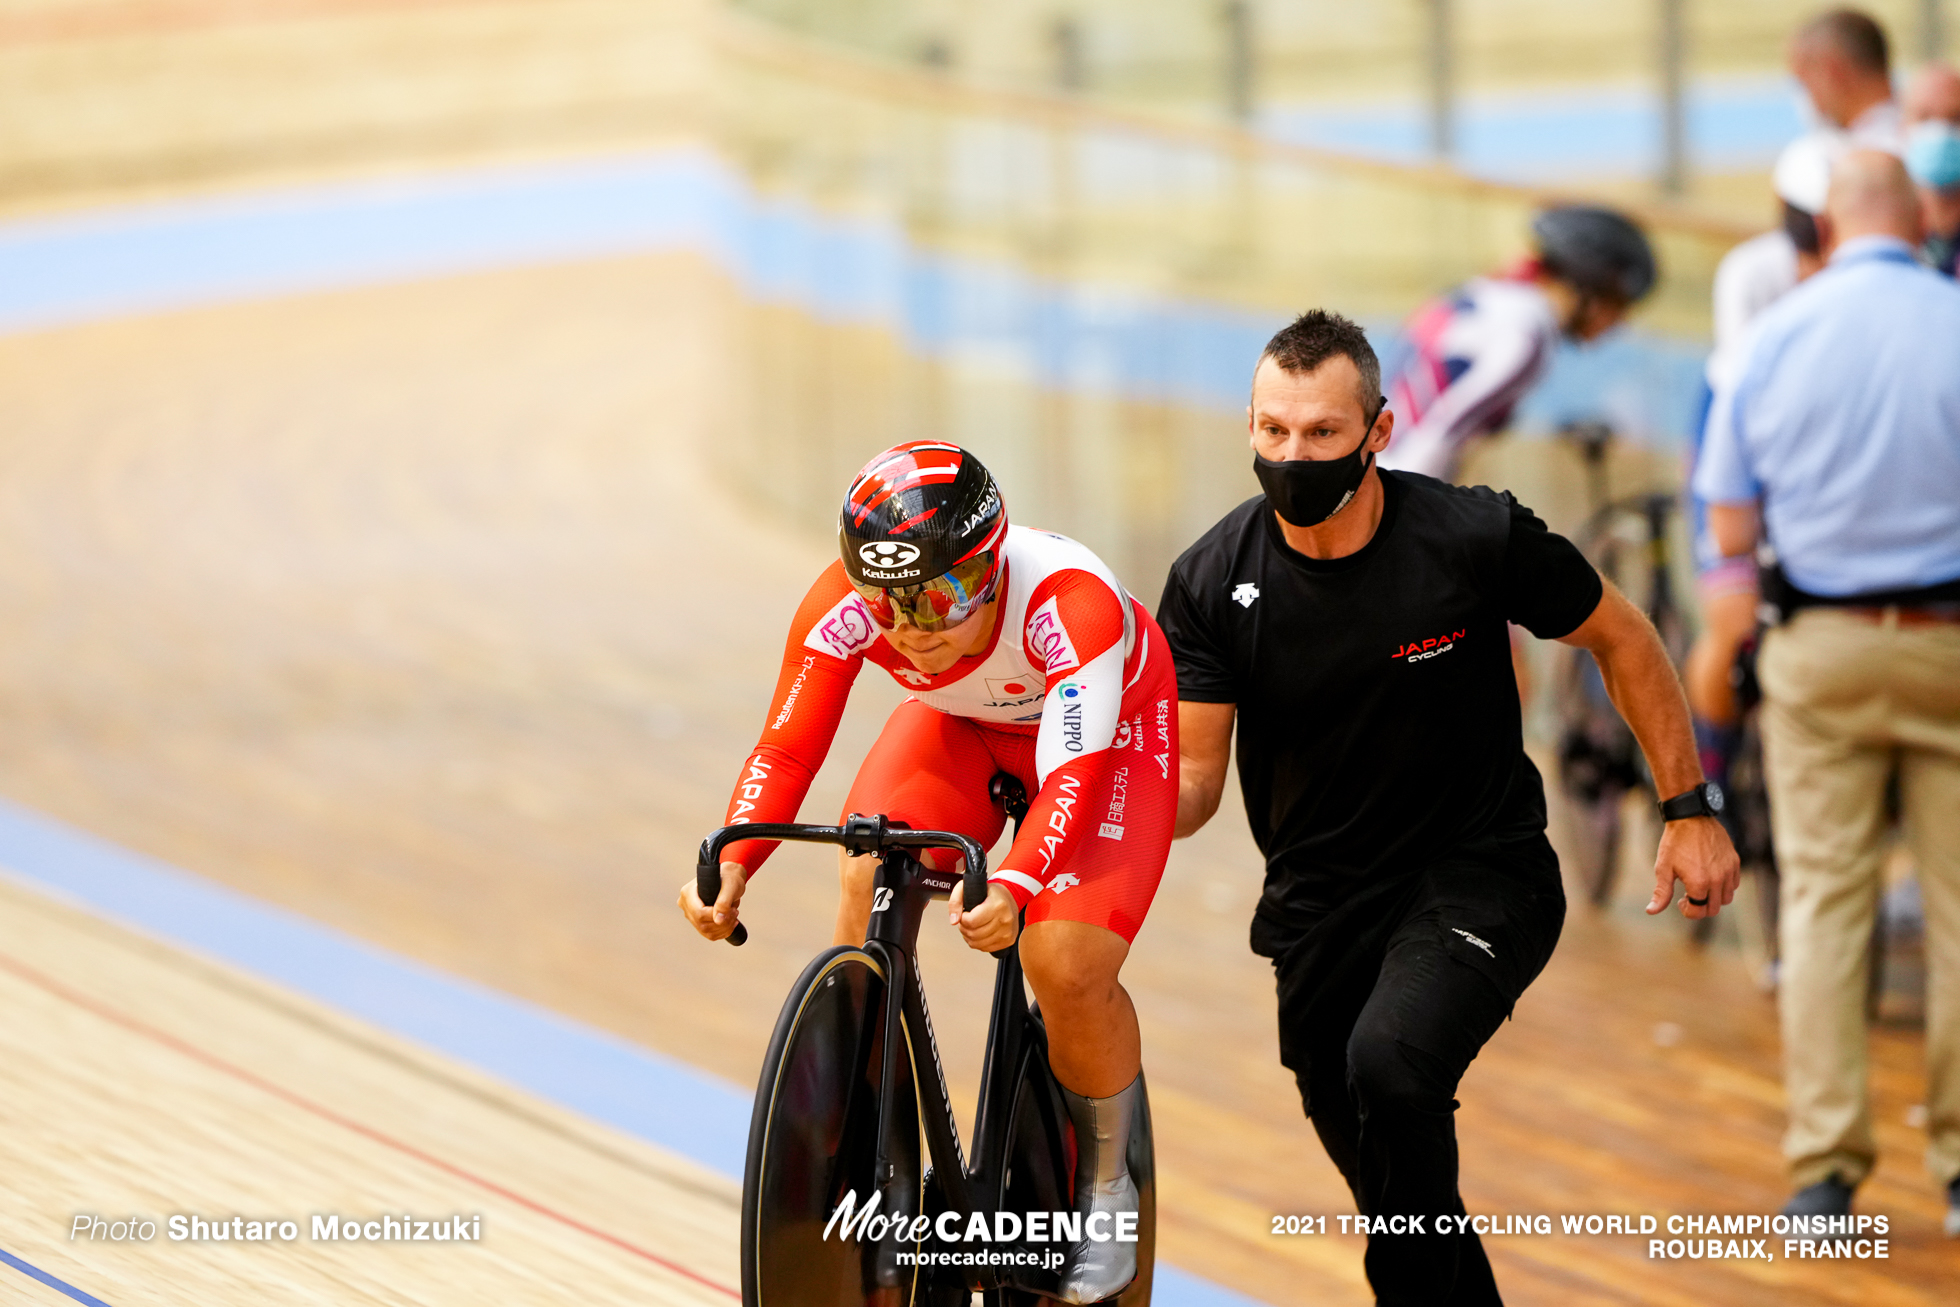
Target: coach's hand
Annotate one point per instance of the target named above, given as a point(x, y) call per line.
point(716, 920)
point(1695, 851)
point(993, 925)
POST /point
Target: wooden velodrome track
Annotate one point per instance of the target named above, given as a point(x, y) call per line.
point(411, 609)
point(141, 1081)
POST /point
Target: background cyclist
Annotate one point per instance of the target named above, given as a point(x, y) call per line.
point(1025, 656)
point(1469, 356)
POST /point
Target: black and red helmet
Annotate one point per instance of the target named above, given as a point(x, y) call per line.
point(921, 534)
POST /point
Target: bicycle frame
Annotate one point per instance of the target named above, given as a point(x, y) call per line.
point(902, 888)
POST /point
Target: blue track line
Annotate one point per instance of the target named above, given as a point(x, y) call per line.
point(700, 1116)
point(1072, 335)
point(604, 1077)
point(59, 1286)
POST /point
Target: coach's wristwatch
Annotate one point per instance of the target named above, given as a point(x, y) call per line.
point(1704, 800)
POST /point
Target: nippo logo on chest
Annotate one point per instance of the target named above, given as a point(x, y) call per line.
point(1417, 650)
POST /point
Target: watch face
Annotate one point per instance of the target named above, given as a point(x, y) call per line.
point(1715, 800)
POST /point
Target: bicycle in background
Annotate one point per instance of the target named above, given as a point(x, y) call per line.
point(1600, 762)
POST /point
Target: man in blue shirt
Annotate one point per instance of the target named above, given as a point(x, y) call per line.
point(1840, 442)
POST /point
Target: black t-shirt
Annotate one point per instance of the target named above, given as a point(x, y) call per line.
point(1378, 711)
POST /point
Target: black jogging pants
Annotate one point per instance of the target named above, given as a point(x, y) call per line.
point(1378, 1050)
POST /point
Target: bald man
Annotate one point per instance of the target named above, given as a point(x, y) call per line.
point(1870, 196)
point(1841, 442)
point(1932, 120)
point(1844, 63)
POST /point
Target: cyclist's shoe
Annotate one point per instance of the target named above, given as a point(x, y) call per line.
point(1830, 1196)
point(1953, 1210)
point(1099, 1269)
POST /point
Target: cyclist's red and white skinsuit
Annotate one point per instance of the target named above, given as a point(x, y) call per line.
point(1076, 697)
point(1469, 358)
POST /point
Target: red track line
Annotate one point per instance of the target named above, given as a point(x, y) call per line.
point(61, 991)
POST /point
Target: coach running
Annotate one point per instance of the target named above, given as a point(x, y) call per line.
point(1353, 622)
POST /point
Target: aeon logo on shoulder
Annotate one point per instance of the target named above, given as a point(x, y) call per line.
point(843, 632)
point(1417, 650)
point(1047, 638)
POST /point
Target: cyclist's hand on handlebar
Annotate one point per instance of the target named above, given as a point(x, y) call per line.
point(993, 925)
point(716, 920)
point(1695, 851)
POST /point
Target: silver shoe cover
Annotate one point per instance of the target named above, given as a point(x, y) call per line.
point(1098, 1270)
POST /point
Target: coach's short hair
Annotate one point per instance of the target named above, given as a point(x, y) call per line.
point(1316, 336)
point(1853, 34)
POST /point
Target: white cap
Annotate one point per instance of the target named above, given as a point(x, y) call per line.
point(1803, 171)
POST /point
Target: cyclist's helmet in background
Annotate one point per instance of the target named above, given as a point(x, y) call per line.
point(921, 535)
point(1598, 250)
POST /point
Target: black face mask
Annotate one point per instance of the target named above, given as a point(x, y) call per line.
point(1307, 492)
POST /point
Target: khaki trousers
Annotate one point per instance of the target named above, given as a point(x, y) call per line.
point(1846, 702)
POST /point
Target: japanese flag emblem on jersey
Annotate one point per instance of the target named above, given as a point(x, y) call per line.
point(1048, 642)
point(845, 631)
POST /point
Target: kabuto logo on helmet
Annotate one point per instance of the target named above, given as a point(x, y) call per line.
point(888, 553)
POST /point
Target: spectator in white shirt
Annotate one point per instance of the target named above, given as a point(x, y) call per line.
point(1750, 278)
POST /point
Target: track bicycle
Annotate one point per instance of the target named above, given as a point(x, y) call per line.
point(855, 1190)
point(1600, 761)
point(1746, 815)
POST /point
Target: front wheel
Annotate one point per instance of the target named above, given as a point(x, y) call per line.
point(813, 1146)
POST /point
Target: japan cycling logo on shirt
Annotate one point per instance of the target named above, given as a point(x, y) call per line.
point(1416, 651)
point(845, 631)
point(1048, 641)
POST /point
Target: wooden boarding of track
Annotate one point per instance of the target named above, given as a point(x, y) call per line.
point(413, 609)
point(140, 1081)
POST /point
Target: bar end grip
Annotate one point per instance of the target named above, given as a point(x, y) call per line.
point(975, 891)
point(707, 884)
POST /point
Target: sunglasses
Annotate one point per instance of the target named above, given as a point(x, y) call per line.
point(934, 605)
